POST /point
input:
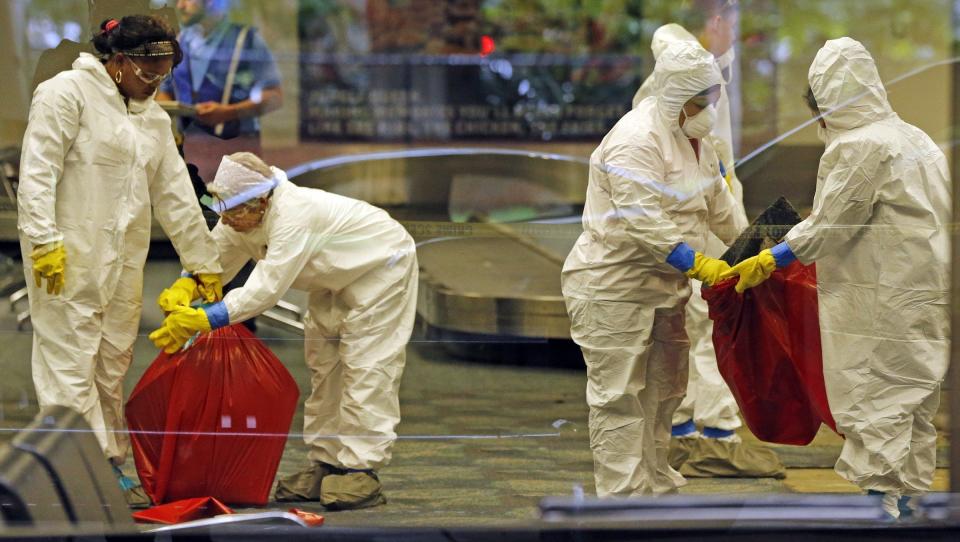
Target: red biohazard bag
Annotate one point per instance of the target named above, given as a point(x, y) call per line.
point(767, 342)
point(182, 511)
point(212, 420)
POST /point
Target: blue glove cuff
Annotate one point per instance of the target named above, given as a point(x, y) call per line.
point(782, 254)
point(217, 315)
point(682, 257)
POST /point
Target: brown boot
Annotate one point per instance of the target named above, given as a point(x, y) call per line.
point(712, 457)
point(304, 485)
point(680, 448)
point(351, 490)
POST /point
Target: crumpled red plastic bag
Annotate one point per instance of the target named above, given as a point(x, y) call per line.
point(182, 511)
point(768, 351)
point(212, 420)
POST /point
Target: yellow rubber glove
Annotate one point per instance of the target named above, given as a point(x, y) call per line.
point(706, 269)
point(180, 294)
point(753, 271)
point(49, 262)
point(178, 327)
point(209, 286)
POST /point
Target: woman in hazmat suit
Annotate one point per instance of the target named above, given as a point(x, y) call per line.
point(98, 153)
point(360, 267)
point(717, 450)
point(879, 232)
point(654, 193)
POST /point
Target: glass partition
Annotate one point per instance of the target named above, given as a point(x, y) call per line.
point(510, 344)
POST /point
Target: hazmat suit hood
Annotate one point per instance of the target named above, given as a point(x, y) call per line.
point(662, 37)
point(847, 86)
point(684, 69)
point(91, 64)
point(667, 34)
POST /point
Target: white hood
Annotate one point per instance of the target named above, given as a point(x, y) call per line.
point(91, 64)
point(846, 85)
point(667, 34)
point(684, 69)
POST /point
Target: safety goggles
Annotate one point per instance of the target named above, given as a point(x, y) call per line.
point(244, 211)
point(147, 77)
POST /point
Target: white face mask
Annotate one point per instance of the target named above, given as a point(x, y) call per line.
point(725, 63)
point(700, 124)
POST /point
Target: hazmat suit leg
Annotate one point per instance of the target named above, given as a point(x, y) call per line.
point(378, 319)
point(708, 400)
point(321, 412)
point(922, 461)
point(81, 353)
point(636, 360)
point(63, 358)
point(895, 453)
point(66, 341)
point(121, 321)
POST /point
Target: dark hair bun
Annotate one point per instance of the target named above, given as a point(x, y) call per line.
point(133, 31)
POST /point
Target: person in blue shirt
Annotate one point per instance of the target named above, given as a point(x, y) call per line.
point(210, 41)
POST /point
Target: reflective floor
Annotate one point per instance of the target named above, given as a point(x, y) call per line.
point(480, 444)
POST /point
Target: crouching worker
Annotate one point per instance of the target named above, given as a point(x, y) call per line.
point(360, 268)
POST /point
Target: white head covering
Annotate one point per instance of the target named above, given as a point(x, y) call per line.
point(846, 85)
point(684, 69)
point(235, 184)
point(667, 34)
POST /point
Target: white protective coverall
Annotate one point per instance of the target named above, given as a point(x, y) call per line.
point(91, 169)
point(879, 233)
point(360, 268)
point(647, 192)
point(708, 401)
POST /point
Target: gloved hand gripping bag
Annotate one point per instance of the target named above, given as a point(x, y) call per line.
point(767, 340)
point(212, 420)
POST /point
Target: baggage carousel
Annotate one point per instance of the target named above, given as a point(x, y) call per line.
point(492, 229)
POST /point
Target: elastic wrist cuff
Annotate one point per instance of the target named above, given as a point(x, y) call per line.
point(682, 257)
point(217, 315)
point(782, 254)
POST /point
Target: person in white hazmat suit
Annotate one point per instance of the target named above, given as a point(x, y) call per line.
point(716, 450)
point(879, 234)
point(654, 193)
point(360, 267)
point(98, 153)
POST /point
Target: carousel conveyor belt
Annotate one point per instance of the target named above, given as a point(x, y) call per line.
point(478, 274)
point(492, 285)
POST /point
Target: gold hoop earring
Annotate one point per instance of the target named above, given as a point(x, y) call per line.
point(119, 77)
